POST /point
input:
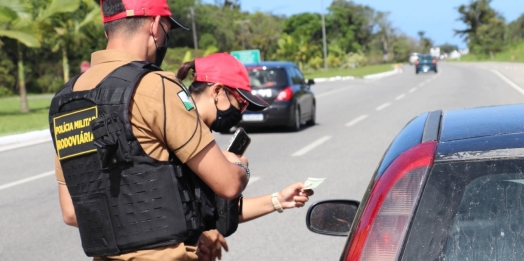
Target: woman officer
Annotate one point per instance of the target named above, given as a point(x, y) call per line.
point(221, 91)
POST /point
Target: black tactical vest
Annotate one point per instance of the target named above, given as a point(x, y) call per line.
point(124, 200)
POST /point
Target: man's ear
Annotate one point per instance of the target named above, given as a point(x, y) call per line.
point(155, 26)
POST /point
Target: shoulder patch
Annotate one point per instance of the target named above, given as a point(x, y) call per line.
point(185, 100)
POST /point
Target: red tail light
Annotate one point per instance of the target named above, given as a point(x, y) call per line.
point(285, 95)
point(434, 61)
point(386, 217)
point(416, 62)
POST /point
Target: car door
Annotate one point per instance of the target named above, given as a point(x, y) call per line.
point(305, 95)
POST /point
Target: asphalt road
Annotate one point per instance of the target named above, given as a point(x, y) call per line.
point(357, 120)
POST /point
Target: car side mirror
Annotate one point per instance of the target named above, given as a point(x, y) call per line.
point(331, 217)
point(310, 82)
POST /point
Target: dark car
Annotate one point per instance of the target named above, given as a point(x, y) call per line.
point(282, 85)
point(449, 187)
point(425, 63)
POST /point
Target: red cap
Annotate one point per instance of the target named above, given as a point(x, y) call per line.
point(227, 70)
point(144, 8)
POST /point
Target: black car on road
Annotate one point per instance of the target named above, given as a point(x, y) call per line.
point(282, 85)
point(425, 63)
point(449, 187)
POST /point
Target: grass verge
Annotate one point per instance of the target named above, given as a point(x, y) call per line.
point(12, 121)
point(357, 72)
point(512, 54)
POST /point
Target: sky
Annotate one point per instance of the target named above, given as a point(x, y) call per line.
point(437, 18)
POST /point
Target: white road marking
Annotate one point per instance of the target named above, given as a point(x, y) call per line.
point(383, 106)
point(412, 90)
point(22, 181)
point(356, 120)
point(508, 81)
point(400, 97)
point(24, 144)
point(311, 146)
point(421, 84)
point(331, 92)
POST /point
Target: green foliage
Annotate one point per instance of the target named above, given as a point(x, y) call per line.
point(305, 24)
point(402, 48)
point(5, 92)
point(7, 75)
point(485, 31)
point(207, 40)
point(176, 56)
point(516, 30)
point(448, 48)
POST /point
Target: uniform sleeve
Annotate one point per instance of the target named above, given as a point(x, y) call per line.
point(58, 171)
point(186, 133)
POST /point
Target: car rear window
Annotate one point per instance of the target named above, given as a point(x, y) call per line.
point(263, 77)
point(425, 58)
point(470, 211)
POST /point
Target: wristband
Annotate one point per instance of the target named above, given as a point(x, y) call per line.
point(245, 167)
point(276, 203)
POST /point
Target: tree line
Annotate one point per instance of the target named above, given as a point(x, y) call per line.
point(43, 42)
point(486, 31)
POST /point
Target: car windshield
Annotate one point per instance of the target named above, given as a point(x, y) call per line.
point(262, 77)
point(470, 211)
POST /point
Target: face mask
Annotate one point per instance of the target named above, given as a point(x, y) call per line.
point(161, 50)
point(226, 119)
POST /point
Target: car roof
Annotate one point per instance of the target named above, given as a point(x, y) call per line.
point(270, 64)
point(481, 122)
point(478, 132)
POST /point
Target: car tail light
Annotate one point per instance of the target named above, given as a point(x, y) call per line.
point(416, 62)
point(434, 61)
point(385, 220)
point(285, 94)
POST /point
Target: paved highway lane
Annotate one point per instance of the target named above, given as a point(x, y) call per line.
point(357, 120)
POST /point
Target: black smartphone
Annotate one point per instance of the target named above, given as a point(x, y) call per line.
point(239, 142)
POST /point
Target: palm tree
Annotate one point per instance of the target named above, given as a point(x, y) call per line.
point(68, 31)
point(15, 24)
point(18, 23)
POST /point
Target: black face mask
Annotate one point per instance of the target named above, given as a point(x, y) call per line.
point(226, 119)
point(161, 50)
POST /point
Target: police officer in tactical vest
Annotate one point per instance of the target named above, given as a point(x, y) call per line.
point(130, 144)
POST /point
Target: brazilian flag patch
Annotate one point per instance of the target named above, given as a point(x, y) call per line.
point(185, 100)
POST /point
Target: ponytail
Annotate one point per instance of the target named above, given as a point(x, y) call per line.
point(183, 71)
point(195, 87)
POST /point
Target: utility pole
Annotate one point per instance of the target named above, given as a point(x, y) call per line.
point(324, 37)
point(241, 22)
point(192, 14)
